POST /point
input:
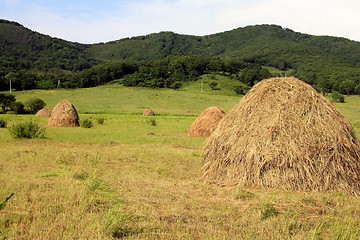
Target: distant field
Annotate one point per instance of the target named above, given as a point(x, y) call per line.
point(114, 98)
point(128, 179)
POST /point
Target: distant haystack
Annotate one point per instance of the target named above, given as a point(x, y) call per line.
point(43, 113)
point(283, 134)
point(206, 123)
point(64, 114)
point(148, 112)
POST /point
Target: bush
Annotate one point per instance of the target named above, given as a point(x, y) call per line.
point(6, 100)
point(176, 85)
point(34, 105)
point(268, 211)
point(240, 90)
point(213, 85)
point(18, 108)
point(27, 130)
point(2, 123)
point(151, 122)
point(337, 97)
point(100, 120)
point(86, 123)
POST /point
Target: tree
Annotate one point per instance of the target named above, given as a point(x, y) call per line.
point(213, 85)
point(357, 89)
point(337, 97)
point(10, 77)
point(6, 101)
point(241, 90)
point(347, 87)
point(176, 85)
point(34, 105)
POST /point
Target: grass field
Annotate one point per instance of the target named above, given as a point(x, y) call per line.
point(128, 179)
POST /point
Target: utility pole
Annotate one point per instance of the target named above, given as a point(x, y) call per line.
point(10, 85)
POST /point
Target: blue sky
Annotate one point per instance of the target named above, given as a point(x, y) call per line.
point(93, 21)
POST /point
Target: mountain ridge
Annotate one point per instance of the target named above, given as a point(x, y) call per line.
point(318, 60)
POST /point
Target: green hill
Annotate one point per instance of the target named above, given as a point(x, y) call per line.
point(328, 63)
point(22, 48)
point(315, 59)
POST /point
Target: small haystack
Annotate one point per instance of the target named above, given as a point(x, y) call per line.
point(206, 123)
point(64, 114)
point(284, 134)
point(43, 113)
point(148, 112)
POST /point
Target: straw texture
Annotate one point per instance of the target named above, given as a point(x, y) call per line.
point(284, 134)
point(206, 123)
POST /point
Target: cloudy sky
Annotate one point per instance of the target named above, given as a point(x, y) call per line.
point(92, 21)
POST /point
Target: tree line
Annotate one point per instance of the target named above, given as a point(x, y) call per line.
point(169, 72)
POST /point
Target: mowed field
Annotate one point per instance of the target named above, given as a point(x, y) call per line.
point(128, 179)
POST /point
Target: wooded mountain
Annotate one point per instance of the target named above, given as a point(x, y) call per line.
point(323, 61)
point(314, 58)
point(22, 48)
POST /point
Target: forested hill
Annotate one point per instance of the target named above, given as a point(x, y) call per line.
point(24, 49)
point(322, 61)
point(314, 58)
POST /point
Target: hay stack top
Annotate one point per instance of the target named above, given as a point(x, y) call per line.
point(148, 112)
point(283, 134)
point(206, 123)
point(43, 113)
point(64, 114)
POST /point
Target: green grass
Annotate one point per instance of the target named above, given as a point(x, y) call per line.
point(130, 179)
point(116, 99)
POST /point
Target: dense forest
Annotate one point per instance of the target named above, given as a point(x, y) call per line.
point(33, 60)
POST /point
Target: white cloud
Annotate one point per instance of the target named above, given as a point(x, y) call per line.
point(314, 17)
point(196, 17)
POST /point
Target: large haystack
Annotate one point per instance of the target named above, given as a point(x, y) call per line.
point(206, 123)
point(64, 114)
point(148, 112)
point(43, 113)
point(283, 134)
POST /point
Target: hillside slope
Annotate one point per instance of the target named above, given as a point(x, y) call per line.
point(312, 57)
point(322, 61)
point(22, 48)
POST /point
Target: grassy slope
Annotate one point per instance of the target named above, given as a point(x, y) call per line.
point(128, 178)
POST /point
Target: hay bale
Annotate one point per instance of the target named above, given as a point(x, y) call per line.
point(206, 123)
point(284, 134)
point(64, 114)
point(148, 112)
point(43, 113)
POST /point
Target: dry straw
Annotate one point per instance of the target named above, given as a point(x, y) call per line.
point(206, 123)
point(43, 113)
point(64, 114)
point(148, 112)
point(284, 134)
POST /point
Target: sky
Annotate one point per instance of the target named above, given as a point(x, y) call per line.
point(94, 21)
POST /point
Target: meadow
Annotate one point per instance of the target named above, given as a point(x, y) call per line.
point(129, 178)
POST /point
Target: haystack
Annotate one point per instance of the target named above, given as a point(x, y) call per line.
point(43, 113)
point(283, 134)
point(148, 112)
point(206, 123)
point(64, 114)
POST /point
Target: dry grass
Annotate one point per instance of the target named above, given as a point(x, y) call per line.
point(93, 191)
point(126, 179)
point(283, 134)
